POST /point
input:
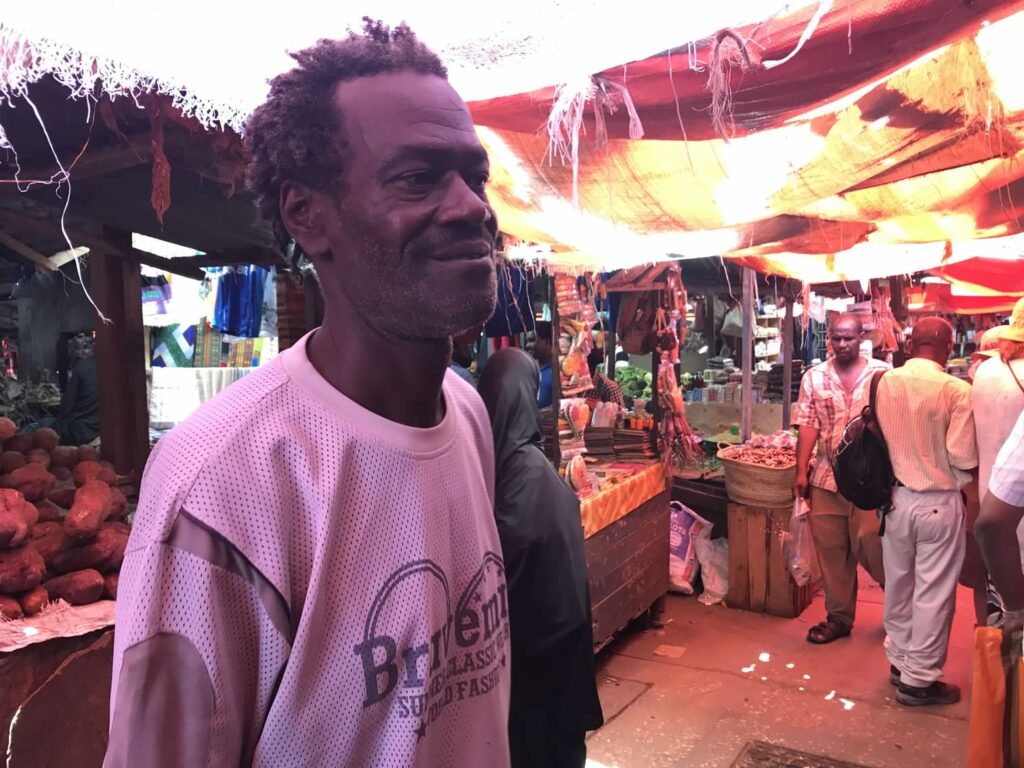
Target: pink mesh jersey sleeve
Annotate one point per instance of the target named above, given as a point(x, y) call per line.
point(201, 643)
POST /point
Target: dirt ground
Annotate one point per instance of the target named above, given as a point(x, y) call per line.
point(695, 692)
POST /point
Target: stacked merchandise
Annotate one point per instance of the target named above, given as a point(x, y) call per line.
point(547, 430)
point(215, 350)
point(600, 443)
point(636, 445)
point(775, 381)
point(63, 524)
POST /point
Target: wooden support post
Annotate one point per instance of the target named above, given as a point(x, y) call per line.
point(556, 369)
point(788, 328)
point(748, 352)
point(116, 286)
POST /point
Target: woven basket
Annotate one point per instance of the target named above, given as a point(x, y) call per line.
point(758, 486)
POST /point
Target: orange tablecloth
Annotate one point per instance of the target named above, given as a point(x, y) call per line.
point(617, 501)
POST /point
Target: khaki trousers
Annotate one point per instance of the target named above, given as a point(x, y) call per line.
point(843, 537)
point(924, 551)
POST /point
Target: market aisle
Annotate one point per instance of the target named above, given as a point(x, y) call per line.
point(699, 709)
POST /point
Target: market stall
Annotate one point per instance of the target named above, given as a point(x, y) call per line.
point(615, 460)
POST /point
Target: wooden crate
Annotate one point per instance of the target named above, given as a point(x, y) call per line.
point(759, 579)
point(628, 566)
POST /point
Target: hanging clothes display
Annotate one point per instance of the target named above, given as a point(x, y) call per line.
point(239, 309)
point(513, 313)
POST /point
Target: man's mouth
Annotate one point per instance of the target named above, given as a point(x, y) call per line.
point(471, 251)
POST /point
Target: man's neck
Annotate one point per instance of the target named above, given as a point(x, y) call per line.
point(397, 379)
point(847, 367)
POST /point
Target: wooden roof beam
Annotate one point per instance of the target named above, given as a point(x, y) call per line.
point(26, 252)
point(184, 267)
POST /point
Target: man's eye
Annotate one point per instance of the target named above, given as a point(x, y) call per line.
point(479, 181)
point(419, 178)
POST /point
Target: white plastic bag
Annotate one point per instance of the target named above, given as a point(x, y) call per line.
point(685, 528)
point(799, 546)
point(713, 555)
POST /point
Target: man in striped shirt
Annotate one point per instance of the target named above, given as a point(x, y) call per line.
point(830, 395)
point(925, 415)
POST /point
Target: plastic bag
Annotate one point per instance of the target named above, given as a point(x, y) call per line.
point(799, 546)
point(685, 527)
point(713, 555)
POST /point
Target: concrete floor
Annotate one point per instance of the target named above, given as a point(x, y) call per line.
point(696, 691)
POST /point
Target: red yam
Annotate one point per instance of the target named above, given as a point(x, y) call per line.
point(118, 505)
point(45, 439)
point(19, 443)
point(64, 456)
point(48, 511)
point(33, 481)
point(104, 553)
point(110, 586)
point(33, 601)
point(39, 456)
point(62, 474)
point(10, 608)
point(11, 460)
point(78, 588)
point(93, 503)
point(17, 517)
point(85, 453)
point(62, 497)
point(88, 471)
point(49, 539)
point(8, 429)
point(20, 569)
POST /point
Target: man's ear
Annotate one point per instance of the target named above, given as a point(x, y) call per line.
point(302, 213)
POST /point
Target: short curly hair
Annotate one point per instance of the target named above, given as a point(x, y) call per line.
point(294, 135)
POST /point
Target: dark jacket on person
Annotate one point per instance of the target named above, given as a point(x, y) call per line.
point(79, 421)
point(554, 690)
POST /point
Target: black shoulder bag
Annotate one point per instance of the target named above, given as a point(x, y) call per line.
point(862, 467)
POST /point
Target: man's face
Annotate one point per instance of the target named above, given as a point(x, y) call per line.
point(845, 338)
point(410, 239)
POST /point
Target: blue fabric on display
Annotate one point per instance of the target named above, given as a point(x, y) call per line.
point(544, 393)
point(239, 310)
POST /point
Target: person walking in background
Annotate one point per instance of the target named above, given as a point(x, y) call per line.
point(543, 352)
point(1002, 511)
point(464, 353)
point(925, 416)
point(830, 395)
point(554, 691)
point(998, 400)
point(605, 389)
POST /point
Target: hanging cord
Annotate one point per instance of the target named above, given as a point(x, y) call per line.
point(62, 177)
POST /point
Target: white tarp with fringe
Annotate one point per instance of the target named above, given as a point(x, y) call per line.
point(214, 58)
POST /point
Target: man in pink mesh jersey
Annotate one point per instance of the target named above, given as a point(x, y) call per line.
point(314, 577)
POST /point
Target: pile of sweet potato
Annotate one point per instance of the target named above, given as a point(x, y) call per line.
point(63, 523)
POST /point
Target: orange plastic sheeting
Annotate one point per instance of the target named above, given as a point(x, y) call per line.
point(617, 501)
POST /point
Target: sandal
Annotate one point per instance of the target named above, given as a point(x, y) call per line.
point(827, 631)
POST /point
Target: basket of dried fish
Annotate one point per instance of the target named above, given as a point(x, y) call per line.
point(761, 472)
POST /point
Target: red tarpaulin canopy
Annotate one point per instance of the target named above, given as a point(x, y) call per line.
point(895, 129)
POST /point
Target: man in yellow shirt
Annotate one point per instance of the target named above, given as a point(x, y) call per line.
point(926, 418)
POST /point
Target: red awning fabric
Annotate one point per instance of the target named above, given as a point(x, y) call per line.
point(985, 277)
point(941, 298)
point(856, 43)
point(903, 155)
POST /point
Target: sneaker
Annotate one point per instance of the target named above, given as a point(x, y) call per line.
point(894, 676)
point(936, 694)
